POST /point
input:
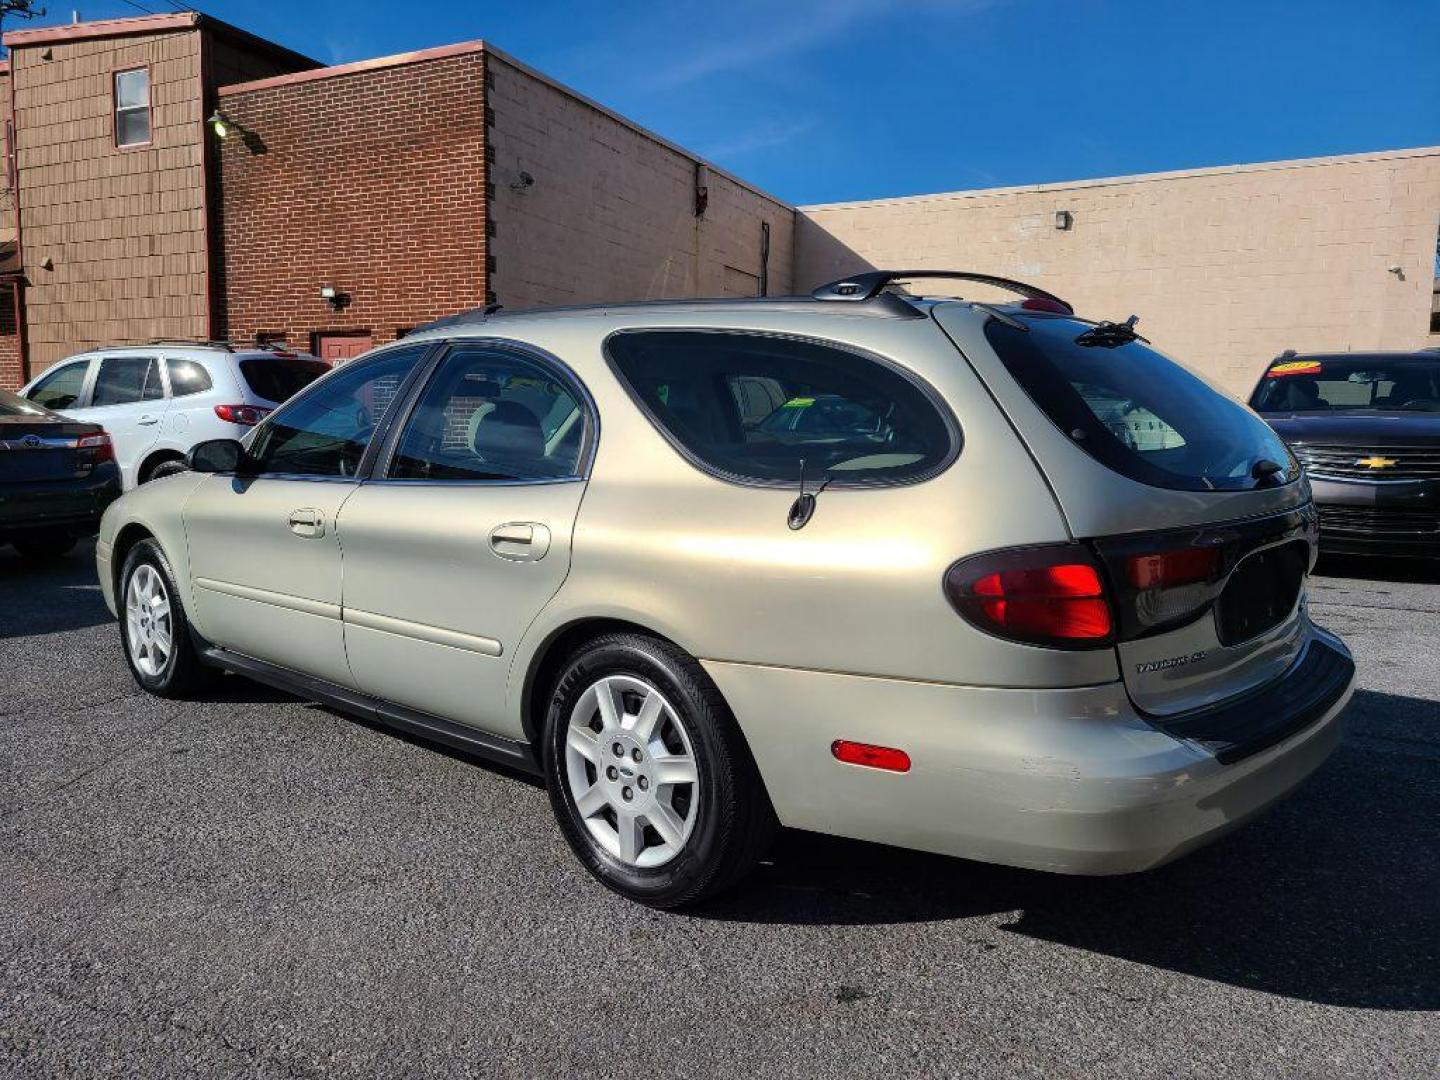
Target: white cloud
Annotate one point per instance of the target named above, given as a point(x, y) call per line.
point(761, 137)
point(761, 35)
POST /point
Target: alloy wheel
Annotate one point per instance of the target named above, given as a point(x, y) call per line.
point(148, 625)
point(631, 770)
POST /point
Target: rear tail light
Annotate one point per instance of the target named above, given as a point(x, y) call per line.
point(1169, 585)
point(246, 415)
point(1050, 596)
point(96, 448)
point(872, 757)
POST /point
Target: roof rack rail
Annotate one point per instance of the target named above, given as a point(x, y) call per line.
point(190, 341)
point(870, 284)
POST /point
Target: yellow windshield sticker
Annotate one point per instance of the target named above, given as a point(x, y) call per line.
point(1295, 367)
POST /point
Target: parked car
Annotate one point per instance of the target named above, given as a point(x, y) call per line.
point(989, 621)
point(57, 476)
point(157, 401)
point(1367, 428)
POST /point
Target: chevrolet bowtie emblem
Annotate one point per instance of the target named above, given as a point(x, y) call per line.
point(1377, 462)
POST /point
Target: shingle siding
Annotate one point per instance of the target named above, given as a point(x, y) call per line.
point(123, 228)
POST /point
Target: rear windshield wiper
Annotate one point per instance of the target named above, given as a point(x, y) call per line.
point(1107, 335)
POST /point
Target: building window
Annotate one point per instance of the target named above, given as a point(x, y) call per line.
point(132, 107)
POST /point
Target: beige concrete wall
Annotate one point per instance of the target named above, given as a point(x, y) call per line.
point(611, 212)
point(1225, 267)
point(123, 228)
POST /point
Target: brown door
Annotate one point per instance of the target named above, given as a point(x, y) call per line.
point(337, 348)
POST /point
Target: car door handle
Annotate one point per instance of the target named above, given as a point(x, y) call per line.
point(520, 541)
point(307, 523)
point(147, 420)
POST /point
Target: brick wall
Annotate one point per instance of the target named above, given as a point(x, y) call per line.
point(1226, 267)
point(610, 214)
point(12, 373)
point(369, 178)
point(122, 228)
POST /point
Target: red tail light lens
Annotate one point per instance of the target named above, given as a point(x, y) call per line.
point(96, 448)
point(245, 415)
point(872, 757)
point(1167, 569)
point(1051, 596)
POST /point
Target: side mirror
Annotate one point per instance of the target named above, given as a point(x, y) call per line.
point(215, 456)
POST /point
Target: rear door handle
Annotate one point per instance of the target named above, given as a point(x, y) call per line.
point(147, 420)
point(307, 523)
point(520, 541)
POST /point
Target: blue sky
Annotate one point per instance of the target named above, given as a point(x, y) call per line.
point(851, 99)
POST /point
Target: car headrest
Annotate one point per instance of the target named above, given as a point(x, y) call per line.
point(508, 432)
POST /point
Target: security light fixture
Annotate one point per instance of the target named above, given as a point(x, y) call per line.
point(1063, 220)
point(220, 124)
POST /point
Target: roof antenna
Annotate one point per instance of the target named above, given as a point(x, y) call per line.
point(803, 508)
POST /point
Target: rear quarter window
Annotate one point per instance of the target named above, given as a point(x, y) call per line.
point(751, 407)
point(1137, 411)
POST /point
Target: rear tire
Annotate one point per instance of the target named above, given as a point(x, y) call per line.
point(674, 810)
point(46, 547)
point(168, 467)
point(154, 629)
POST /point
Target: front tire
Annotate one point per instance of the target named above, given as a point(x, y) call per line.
point(154, 629)
point(649, 776)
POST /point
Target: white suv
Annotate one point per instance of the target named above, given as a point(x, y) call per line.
point(159, 400)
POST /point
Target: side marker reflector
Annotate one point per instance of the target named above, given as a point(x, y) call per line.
point(872, 757)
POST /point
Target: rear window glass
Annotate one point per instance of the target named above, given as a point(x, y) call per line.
point(753, 406)
point(1360, 382)
point(1137, 411)
point(276, 378)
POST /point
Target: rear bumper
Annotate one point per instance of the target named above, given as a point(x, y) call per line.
point(71, 505)
point(1392, 518)
point(1072, 781)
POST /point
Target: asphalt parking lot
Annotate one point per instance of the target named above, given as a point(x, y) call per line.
point(254, 886)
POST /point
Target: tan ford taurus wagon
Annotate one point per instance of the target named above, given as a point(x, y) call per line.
point(986, 579)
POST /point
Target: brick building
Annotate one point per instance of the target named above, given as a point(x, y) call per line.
point(332, 208)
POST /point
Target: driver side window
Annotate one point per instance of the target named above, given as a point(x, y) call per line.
point(324, 431)
point(490, 414)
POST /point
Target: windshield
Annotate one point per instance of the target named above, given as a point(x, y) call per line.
point(1351, 382)
point(1137, 411)
point(13, 406)
point(277, 378)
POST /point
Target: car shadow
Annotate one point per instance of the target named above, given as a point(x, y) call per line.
point(234, 688)
point(49, 597)
point(1330, 897)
